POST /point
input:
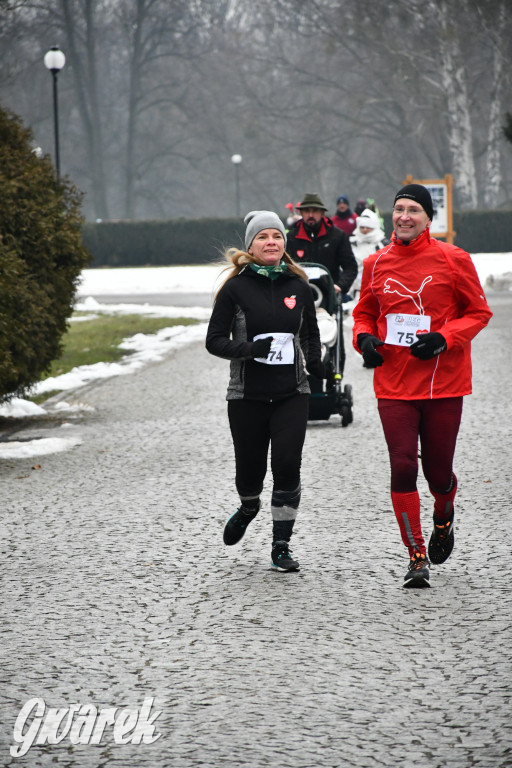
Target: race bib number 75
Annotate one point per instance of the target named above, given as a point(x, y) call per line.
point(403, 330)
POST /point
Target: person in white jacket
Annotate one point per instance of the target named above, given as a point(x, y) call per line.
point(368, 237)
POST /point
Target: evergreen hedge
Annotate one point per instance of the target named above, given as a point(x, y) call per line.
point(199, 241)
point(483, 231)
point(41, 258)
point(176, 241)
point(478, 231)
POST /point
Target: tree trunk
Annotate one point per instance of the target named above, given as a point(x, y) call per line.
point(460, 134)
point(133, 99)
point(493, 175)
point(88, 101)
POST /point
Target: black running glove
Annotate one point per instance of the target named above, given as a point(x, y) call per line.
point(261, 347)
point(316, 368)
point(429, 345)
point(367, 344)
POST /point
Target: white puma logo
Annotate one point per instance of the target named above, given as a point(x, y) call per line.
point(407, 293)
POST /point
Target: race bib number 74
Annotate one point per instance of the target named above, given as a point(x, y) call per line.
point(281, 351)
point(403, 330)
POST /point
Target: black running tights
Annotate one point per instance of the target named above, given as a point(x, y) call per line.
point(257, 425)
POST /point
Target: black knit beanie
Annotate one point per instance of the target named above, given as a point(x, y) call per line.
point(420, 195)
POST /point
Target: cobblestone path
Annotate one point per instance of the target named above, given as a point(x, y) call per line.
point(117, 587)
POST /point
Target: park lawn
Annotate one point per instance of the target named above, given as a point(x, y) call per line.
point(96, 340)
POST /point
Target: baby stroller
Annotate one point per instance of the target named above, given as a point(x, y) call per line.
point(328, 397)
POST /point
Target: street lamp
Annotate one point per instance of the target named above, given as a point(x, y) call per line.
point(54, 60)
point(236, 160)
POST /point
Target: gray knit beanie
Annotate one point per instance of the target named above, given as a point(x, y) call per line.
point(258, 220)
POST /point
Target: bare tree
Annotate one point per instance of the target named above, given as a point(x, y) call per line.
point(159, 36)
point(460, 130)
point(80, 25)
point(499, 36)
point(322, 96)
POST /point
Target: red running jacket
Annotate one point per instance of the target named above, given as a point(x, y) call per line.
point(431, 278)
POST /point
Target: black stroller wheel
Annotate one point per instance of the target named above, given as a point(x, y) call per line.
point(347, 416)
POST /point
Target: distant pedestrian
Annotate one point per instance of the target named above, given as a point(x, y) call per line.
point(264, 322)
point(368, 237)
point(293, 213)
point(315, 239)
point(421, 304)
point(360, 206)
point(344, 218)
point(372, 206)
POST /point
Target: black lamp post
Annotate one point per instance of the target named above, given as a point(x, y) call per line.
point(54, 60)
point(236, 160)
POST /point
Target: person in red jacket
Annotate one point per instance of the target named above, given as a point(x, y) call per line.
point(421, 303)
point(344, 218)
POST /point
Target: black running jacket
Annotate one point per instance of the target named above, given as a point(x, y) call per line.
point(250, 304)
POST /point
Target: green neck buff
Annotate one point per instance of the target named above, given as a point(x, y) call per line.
point(272, 272)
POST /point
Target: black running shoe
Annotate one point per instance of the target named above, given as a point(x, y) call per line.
point(417, 574)
point(237, 523)
point(282, 557)
point(441, 542)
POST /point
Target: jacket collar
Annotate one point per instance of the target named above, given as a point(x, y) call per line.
point(325, 224)
point(415, 245)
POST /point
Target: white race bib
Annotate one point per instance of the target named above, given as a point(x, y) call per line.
point(281, 352)
point(404, 330)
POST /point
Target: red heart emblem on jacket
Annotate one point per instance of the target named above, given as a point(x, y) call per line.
point(300, 254)
point(290, 302)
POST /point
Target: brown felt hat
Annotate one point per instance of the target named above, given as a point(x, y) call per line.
point(311, 200)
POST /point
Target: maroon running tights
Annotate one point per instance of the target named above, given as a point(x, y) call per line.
point(436, 424)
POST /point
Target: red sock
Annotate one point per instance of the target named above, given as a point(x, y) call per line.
point(407, 511)
point(443, 502)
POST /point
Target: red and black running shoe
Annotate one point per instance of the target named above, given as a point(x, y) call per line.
point(441, 541)
point(417, 575)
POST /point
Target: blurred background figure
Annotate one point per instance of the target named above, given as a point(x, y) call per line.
point(315, 239)
point(344, 218)
point(293, 213)
point(368, 237)
point(360, 206)
point(372, 206)
point(368, 203)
